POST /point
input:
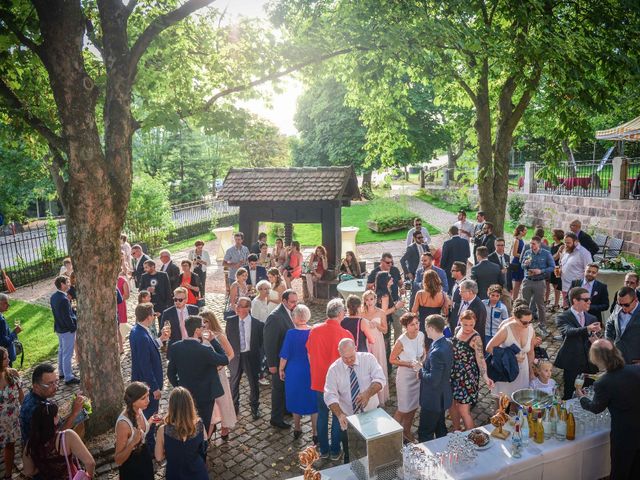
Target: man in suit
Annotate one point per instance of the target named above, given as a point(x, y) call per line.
point(411, 258)
point(417, 226)
point(458, 272)
point(578, 328)
point(623, 326)
point(157, 284)
point(631, 280)
point(598, 290)
point(471, 301)
point(146, 364)
point(456, 249)
point(194, 366)
point(485, 273)
point(435, 384)
point(177, 315)
point(245, 336)
point(170, 268)
point(256, 272)
point(65, 325)
point(584, 238)
point(478, 231)
point(488, 238)
point(502, 259)
point(426, 264)
point(255, 248)
point(138, 263)
point(275, 328)
point(618, 390)
point(7, 337)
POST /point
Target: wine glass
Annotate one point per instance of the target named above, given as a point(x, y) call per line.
point(579, 381)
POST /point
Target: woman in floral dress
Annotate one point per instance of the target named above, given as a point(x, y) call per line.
point(11, 396)
point(468, 367)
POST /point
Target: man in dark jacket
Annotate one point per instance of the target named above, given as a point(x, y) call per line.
point(584, 238)
point(578, 329)
point(488, 238)
point(7, 337)
point(158, 285)
point(170, 268)
point(410, 261)
point(65, 325)
point(470, 301)
point(485, 273)
point(456, 249)
point(623, 326)
point(597, 290)
point(631, 280)
point(194, 366)
point(139, 257)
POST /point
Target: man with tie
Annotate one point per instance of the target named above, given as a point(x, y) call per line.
point(275, 328)
point(411, 258)
point(353, 382)
point(138, 263)
point(435, 384)
point(579, 330)
point(458, 273)
point(176, 316)
point(170, 268)
point(598, 290)
point(471, 301)
point(245, 336)
point(623, 326)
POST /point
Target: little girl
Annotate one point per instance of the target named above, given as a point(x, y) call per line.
point(543, 381)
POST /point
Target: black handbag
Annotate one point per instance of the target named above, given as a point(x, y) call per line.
point(19, 349)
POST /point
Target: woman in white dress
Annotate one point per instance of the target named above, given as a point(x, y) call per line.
point(277, 286)
point(517, 331)
point(377, 323)
point(223, 409)
point(408, 352)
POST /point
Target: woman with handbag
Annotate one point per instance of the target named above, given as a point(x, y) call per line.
point(54, 454)
point(132, 455)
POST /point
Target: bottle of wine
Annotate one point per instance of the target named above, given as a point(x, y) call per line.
point(571, 426)
point(516, 443)
point(539, 434)
point(546, 423)
point(554, 419)
point(532, 422)
point(561, 426)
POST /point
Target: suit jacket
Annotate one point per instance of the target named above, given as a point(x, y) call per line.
point(261, 274)
point(574, 351)
point(456, 301)
point(628, 342)
point(194, 366)
point(599, 297)
point(614, 304)
point(485, 274)
point(255, 248)
point(139, 270)
point(493, 258)
point(146, 364)
point(173, 271)
point(587, 242)
point(171, 315)
point(435, 384)
point(456, 249)
point(619, 390)
point(64, 319)
point(7, 337)
point(481, 317)
point(275, 328)
point(410, 261)
point(232, 330)
point(489, 241)
point(161, 296)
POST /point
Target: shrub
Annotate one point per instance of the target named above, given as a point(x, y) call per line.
point(388, 214)
point(149, 217)
point(515, 207)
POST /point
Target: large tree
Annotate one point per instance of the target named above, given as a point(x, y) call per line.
point(85, 75)
point(496, 52)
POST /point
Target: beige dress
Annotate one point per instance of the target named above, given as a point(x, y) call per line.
point(378, 350)
point(223, 410)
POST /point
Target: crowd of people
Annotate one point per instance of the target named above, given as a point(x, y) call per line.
point(440, 324)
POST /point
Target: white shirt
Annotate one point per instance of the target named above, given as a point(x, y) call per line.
point(548, 388)
point(261, 309)
point(204, 256)
point(464, 228)
point(425, 234)
point(253, 274)
point(573, 266)
point(337, 387)
point(247, 332)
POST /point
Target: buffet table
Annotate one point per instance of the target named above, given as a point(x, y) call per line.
point(586, 458)
point(352, 287)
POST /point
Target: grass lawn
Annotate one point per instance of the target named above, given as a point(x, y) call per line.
point(39, 340)
point(444, 205)
point(188, 243)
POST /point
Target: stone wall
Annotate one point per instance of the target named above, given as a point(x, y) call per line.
point(616, 218)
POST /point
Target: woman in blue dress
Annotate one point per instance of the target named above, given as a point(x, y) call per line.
point(295, 372)
point(181, 440)
point(517, 273)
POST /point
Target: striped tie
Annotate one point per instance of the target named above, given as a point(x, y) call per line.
point(355, 389)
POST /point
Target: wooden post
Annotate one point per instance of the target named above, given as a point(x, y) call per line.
point(248, 224)
point(288, 233)
point(332, 233)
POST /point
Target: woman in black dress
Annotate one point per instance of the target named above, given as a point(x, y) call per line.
point(557, 248)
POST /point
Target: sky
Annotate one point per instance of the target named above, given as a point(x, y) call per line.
point(283, 105)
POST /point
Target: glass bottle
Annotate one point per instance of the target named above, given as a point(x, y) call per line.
point(554, 419)
point(525, 431)
point(561, 426)
point(571, 426)
point(539, 434)
point(516, 443)
point(532, 422)
point(546, 423)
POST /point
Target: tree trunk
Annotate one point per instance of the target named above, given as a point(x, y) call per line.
point(366, 179)
point(406, 173)
point(422, 179)
point(485, 155)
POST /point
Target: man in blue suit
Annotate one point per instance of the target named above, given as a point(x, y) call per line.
point(435, 386)
point(456, 249)
point(256, 272)
point(598, 291)
point(65, 325)
point(146, 364)
point(7, 337)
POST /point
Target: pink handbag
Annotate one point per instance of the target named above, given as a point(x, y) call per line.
point(80, 474)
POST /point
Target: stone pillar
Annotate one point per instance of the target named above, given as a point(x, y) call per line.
point(530, 185)
point(619, 183)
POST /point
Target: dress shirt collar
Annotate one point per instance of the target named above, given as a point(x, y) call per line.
point(576, 313)
point(437, 339)
point(64, 293)
point(247, 318)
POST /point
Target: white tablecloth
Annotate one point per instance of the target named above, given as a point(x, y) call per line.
point(586, 458)
point(352, 287)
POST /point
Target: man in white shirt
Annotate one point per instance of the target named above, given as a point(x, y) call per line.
point(573, 262)
point(352, 384)
point(417, 226)
point(465, 227)
point(236, 256)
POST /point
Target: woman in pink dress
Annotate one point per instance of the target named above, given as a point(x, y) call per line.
point(123, 288)
point(294, 267)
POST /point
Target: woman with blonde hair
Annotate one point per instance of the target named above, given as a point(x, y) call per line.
point(376, 322)
point(182, 439)
point(278, 286)
point(223, 410)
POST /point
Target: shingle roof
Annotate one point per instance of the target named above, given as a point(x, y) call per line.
point(289, 184)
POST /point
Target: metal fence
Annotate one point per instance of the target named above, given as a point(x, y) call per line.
point(29, 254)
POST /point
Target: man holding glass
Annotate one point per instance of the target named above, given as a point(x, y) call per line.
point(7, 337)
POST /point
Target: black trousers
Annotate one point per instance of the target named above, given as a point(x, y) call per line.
point(244, 363)
point(205, 410)
point(569, 381)
point(277, 398)
point(625, 464)
point(431, 425)
point(202, 280)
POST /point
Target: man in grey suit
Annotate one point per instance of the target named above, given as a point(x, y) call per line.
point(485, 273)
point(275, 329)
point(623, 326)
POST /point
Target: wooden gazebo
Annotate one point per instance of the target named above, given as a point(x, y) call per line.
point(293, 195)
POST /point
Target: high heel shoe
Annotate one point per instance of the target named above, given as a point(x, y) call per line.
point(224, 436)
point(297, 434)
